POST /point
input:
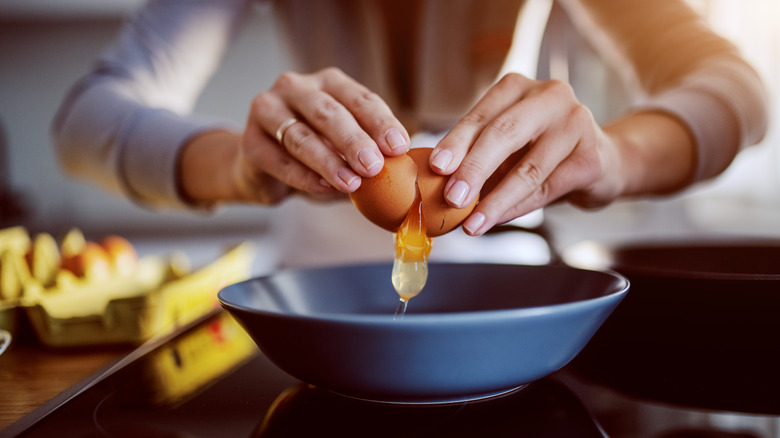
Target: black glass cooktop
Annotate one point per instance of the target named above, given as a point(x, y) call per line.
point(212, 381)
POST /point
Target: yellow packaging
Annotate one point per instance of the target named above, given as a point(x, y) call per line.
point(185, 367)
point(152, 301)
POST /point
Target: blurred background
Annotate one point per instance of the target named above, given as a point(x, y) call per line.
point(45, 45)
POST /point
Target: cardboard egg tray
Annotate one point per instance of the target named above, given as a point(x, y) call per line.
point(158, 295)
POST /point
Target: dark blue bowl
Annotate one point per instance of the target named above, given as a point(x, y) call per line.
point(476, 329)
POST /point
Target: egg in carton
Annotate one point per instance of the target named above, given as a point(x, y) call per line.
point(14, 275)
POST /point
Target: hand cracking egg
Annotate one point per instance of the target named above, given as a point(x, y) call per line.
point(407, 198)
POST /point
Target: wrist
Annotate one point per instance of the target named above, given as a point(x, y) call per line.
point(205, 168)
point(656, 153)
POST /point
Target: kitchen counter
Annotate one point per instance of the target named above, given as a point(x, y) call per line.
point(31, 375)
point(251, 397)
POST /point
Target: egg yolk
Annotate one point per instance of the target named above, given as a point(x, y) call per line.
point(412, 247)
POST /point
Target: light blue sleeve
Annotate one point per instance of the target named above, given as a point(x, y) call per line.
point(123, 124)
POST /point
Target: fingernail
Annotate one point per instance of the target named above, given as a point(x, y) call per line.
point(348, 177)
point(396, 140)
point(457, 193)
point(369, 159)
point(442, 159)
point(473, 223)
point(324, 183)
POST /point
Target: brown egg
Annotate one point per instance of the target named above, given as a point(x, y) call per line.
point(121, 252)
point(387, 198)
point(93, 262)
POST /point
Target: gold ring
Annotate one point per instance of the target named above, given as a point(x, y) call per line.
point(283, 127)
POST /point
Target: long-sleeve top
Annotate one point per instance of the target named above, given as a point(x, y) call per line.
point(123, 124)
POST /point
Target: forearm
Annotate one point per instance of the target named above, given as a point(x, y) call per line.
point(684, 69)
point(657, 153)
point(122, 126)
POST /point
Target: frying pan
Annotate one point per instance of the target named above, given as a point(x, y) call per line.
point(477, 330)
point(701, 326)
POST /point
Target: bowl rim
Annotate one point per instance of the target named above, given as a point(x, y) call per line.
point(621, 288)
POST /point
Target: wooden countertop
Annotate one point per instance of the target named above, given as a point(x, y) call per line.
point(31, 375)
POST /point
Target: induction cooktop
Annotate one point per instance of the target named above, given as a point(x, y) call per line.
point(210, 380)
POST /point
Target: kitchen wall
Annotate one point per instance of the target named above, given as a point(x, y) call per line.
point(44, 49)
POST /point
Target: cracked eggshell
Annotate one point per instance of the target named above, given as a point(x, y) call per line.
point(387, 198)
point(440, 217)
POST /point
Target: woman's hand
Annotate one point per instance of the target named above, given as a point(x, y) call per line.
point(341, 131)
point(527, 144)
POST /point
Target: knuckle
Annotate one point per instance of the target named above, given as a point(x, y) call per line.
point(582, 113)
point(531, 173)
point(513, 79)
point(352, 143)
point(475, 118)
point(558, 88)
point(504, 125)
point(366, 99)
point(543, 192)
point(287, 80)
point(332, 71)
point(538, 197)
point(295, 140)
point(325, 111)
point(557, 85)
point(581, 117)
point(262, 103)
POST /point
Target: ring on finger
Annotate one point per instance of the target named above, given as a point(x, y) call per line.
point(283, 128)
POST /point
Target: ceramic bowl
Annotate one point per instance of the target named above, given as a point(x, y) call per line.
point(475, 331)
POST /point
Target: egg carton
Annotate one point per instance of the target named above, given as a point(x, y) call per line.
point(157, 296)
